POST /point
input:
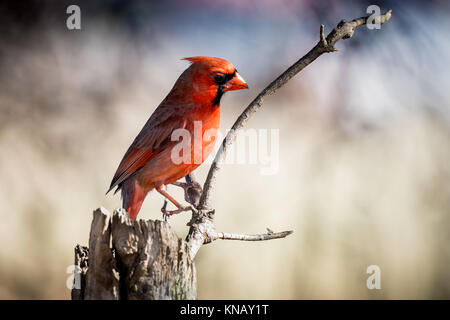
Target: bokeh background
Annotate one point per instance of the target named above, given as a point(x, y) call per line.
point(364, 141)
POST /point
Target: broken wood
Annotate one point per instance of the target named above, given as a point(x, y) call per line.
point(142, 260)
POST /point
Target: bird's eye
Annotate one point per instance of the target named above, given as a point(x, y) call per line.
point(220, 78)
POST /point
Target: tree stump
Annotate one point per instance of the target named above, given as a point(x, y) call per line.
point(133, 260)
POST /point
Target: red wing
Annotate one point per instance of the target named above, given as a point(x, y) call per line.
point(152, 139)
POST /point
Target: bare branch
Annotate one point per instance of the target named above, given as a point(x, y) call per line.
point(344, 30)
point(202, 227)
point(253, 237)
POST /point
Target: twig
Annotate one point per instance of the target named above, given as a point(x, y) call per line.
point(202, 228)
point(253, 237)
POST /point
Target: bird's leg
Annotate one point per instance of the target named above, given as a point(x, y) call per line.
point(192, 190)
point(164, 209)
point(167, 213)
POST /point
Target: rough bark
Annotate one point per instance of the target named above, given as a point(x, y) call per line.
point(133, 260)
point(102, 279)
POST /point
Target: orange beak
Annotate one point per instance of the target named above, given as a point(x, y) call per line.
point(236, 83)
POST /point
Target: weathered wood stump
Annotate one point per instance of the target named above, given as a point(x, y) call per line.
point(133, 260)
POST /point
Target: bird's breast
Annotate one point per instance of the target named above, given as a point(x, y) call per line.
point(209, 122)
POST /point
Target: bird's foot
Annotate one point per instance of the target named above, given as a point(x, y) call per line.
point(192, 191)
point(168, 213)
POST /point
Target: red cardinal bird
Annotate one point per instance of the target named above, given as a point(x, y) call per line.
point(148, 164)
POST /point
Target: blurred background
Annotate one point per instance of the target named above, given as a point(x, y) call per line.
point(364, 141)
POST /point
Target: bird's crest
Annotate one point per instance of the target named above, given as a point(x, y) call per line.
point(209, 62)
point(197, 59)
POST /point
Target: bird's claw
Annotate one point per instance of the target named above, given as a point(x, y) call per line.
point(168, 213)
point(192, 191)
